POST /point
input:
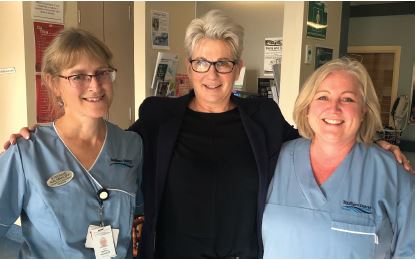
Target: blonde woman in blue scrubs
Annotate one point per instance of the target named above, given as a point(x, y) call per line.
point(334, 193)
point(74, 182)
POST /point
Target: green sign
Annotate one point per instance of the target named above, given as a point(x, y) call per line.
point(317, 20)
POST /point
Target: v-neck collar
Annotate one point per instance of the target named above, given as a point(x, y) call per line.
point(317, 195)
point(73, 155)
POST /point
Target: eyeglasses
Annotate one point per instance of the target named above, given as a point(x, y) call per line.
point(105, 76)
point(221, 66)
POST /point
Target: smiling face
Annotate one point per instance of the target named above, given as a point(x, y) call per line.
point(336, 111)
point(90, 101)
point(213, 89)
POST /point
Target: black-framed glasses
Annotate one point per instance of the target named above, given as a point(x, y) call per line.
point(103, 76)
point(221, 66)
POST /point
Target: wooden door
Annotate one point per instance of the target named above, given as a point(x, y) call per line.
point(118, 35)
point(382, 63)
point(90, 17)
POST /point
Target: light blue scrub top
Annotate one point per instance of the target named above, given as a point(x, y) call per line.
point(366, 209)
point(55, 220)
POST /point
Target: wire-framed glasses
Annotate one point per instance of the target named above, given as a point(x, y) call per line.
point(103, 76)
point(221, 66)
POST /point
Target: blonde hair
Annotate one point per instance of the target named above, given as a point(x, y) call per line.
point(65, 51)
point(371, 121)
point(217, 26)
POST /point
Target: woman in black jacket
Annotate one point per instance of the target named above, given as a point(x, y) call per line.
point(208, 156)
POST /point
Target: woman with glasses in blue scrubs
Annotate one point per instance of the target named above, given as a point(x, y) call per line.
point(334, 194)
point(74, 182)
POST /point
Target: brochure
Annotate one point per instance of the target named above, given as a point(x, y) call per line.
point(165, 68)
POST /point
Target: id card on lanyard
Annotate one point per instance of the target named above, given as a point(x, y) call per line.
point(102, 238)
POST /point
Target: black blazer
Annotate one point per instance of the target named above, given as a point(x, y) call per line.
point(159, 123)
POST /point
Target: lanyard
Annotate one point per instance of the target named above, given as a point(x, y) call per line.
point(102, 195)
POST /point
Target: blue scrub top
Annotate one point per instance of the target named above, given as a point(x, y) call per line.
point(55, 220)
point(366, 209)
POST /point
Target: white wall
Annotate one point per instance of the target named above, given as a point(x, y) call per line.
point(13, 105)
point(293, 31)
point(139, 54)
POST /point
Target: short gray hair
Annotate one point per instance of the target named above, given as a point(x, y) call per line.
point(215, 25)
point(372, 119)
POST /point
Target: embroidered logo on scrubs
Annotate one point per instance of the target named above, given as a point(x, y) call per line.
point(60, 178)
point(356, 207)
point(128, 163)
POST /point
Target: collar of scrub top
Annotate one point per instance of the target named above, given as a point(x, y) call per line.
point(102, 194)
point(313, 192)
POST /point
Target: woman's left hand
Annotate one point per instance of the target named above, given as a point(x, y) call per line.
point(400, 157)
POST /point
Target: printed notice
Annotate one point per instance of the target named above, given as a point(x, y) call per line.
point(48, 11)
point(272, 54)
point(160, 30)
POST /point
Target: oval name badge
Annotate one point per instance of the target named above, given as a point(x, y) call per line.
point(60, 178)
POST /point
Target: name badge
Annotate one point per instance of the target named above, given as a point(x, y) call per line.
point(103, 242)
point(60, 178)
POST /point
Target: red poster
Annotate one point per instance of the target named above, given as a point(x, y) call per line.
point(44, 34)
point(183, 86)
point(42, 102)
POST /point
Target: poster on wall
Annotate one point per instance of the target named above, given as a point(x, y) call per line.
point(44, 34)
point(48, 11)
point(43, 113)
point(322, 56)
point(272, 54)
point(160, 30)
point(317, 20)
point(182, 85)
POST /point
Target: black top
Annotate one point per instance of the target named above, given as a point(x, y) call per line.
point(159, 124)
point(209, 202)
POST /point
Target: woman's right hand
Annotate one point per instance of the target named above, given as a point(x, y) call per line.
point(24, 132)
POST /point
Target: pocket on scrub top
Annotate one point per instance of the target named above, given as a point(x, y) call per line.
point(355, 229)
point(358, 241)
